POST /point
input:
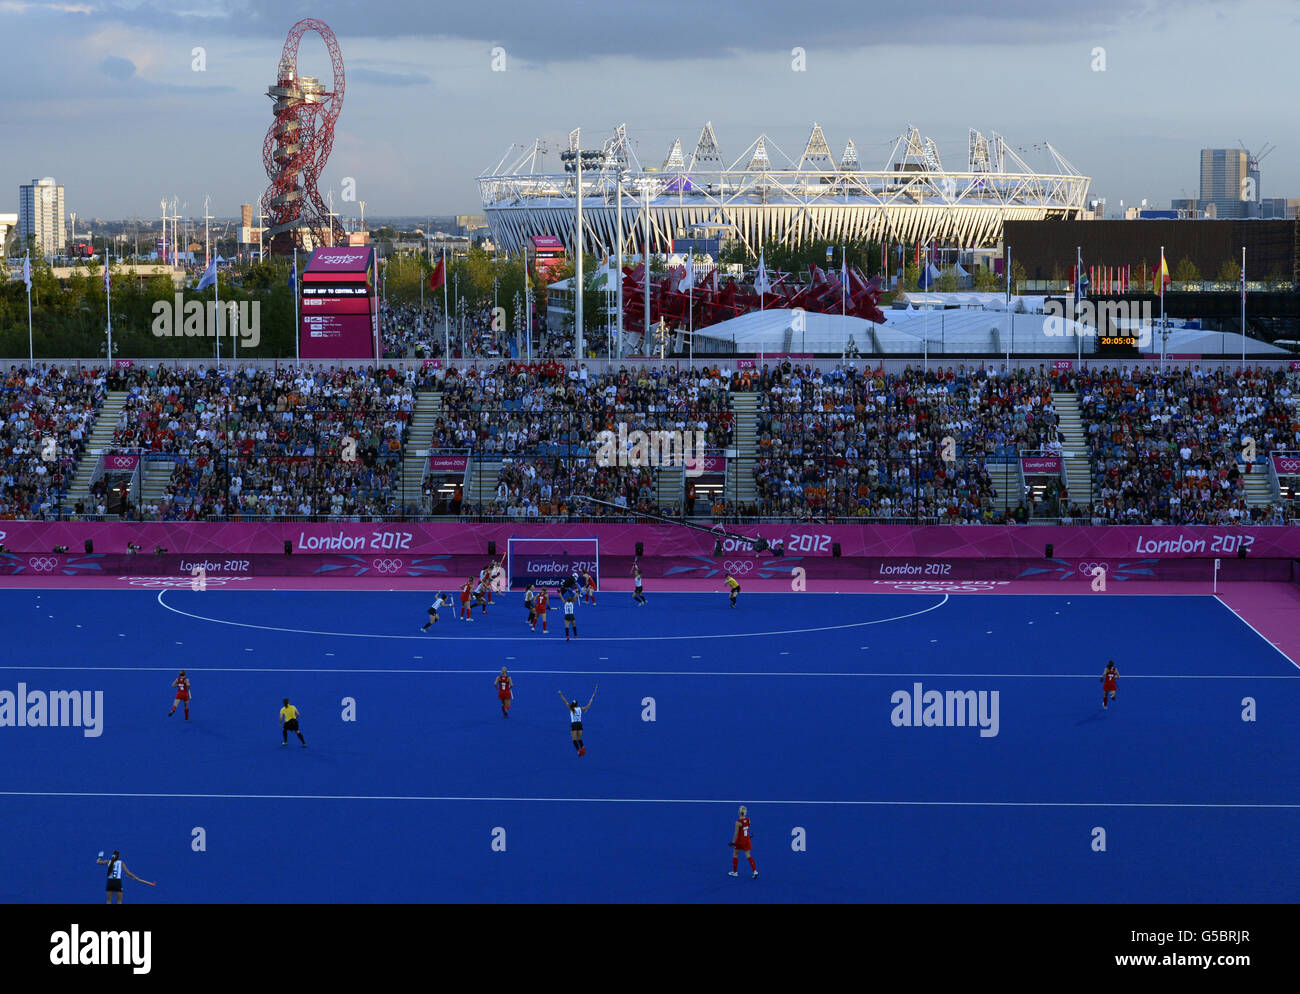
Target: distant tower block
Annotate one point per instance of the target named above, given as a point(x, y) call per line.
point(297, 146)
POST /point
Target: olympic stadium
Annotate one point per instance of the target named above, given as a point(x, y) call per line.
point(765, 196)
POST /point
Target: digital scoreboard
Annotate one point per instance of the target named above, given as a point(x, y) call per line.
point(338, 306)
point(1118, 344)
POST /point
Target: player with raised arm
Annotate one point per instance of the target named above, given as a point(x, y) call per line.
point(742, 841)
point(505, 692)
point(575, 719)
point(115, 870)
point(734, 584)
point(639, 596)
point(182, 685)
point(570, 619)
point(1109, 686)
point(440, 600)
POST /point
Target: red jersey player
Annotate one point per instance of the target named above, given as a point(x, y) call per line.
point(539, 608)
point(1109, 687)
point(182, 685)
point(464, 600)
point(591, 588)
point(743, 841)
point(505, 692)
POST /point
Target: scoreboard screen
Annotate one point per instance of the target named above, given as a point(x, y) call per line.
point(1119, 344)
point(338, 307)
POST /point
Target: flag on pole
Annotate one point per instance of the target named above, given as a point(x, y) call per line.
point(209, 275)
point(688, 276)
point(107, 284)
point(293, 273)
point(761, 283)
point(27, 270)
point(439, 275)
point(1163, 273)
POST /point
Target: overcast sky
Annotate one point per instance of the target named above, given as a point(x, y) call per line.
point(104, 95)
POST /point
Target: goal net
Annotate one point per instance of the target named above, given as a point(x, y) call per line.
point(546, 562)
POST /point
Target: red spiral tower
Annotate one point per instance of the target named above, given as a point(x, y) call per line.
point(297, 145)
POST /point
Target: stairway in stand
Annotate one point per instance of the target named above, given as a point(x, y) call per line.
point(744, 439)
point(1074, 442)
point(99, 442)
point(415, 448)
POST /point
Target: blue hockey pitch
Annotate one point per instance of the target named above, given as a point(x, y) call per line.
point(792, 704)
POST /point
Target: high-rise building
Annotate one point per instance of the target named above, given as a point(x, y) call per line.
point(1279, 208)
point(1230, 181)
point(40, 214)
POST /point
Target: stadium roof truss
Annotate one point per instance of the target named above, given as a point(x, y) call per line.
point(763, 196)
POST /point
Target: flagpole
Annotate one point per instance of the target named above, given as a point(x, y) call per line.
point(446, 312)
point(925, 313)
point(27, 277)
point(1007, 305)
point(1078, 298)
point(1243, 308)
point(216, 316)
point(108, 303)
point(297, 330)
point(690, 305)
point(618, 182)
point(1163, 335)
point(528, 307)
point(645, 259)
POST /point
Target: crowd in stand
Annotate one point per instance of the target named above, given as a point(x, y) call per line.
point(1176, 446)
point(546, 423)
point(274, 443)
point(864, 443)
point(48, 414)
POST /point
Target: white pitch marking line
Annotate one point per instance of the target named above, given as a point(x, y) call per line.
point(650, 800)
point(954, 676)
point(1257, 632)
point(514, 638)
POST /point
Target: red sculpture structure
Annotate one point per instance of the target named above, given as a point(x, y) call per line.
point(704, 306)
point(298, 144)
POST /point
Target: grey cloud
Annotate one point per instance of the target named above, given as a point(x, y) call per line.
point(117, 67)
point(380, 78)
point(664, 29)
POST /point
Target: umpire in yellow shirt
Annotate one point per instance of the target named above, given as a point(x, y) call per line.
point(289, 723)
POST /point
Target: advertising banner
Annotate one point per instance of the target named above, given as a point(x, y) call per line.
point(1041, 465)
point(945, 542)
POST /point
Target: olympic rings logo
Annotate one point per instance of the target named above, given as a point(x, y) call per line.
point(741, 566)
point(1087, 569)
point(388, 565)
point(43, 564)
